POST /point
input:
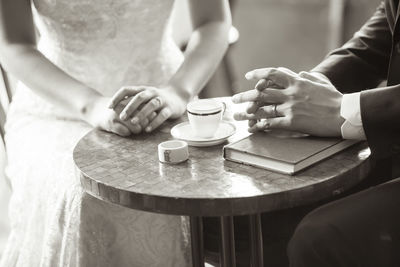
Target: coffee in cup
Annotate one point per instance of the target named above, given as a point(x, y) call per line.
point(205, 116)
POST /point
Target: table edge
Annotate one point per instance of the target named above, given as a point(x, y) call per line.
point(225, 206)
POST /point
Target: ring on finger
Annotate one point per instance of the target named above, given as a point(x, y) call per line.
point(159, 104)
point(275, 111)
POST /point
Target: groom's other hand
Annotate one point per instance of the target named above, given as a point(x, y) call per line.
point(254, 106)
point(306, 102)
point(263, 84)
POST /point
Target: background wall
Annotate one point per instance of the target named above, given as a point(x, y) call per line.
point(289, 33)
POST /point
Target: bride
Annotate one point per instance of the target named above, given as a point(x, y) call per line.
point(86, 52)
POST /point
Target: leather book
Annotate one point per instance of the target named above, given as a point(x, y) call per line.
point(286, 155)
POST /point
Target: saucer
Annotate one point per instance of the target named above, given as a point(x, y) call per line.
point(183, 131)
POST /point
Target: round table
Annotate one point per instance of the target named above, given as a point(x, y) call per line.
point(126, 171)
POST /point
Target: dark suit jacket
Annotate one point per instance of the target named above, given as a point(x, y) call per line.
point(371, 56)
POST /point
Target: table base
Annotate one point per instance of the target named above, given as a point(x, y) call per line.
point(196, 236)
point(227, 242)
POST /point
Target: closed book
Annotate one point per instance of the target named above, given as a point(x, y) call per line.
point(286, 155)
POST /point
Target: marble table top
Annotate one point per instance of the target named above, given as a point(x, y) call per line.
point(126, 171)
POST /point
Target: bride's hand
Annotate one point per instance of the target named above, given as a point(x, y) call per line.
point(145, 101)
point(100, 116)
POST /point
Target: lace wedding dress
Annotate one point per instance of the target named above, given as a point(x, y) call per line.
point(105, 44)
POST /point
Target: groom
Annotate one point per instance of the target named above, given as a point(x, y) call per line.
point(339, 98)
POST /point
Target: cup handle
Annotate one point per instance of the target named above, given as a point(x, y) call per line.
point(224, 108)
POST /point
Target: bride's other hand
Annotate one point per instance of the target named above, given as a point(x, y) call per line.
point(100, 116)
point(146, 101)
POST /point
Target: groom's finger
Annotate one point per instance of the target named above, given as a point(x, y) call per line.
point(273, 123)
point(263, 84)
point(261, 113)
point(253, 106)
point(243, 116)
point(288, 71)
point(266, 96)
point(260, 86)
point(251, 123)
point(124, 92)
point(276, 75)
point(258, 126)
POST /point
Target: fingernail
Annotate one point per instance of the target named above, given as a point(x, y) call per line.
point(110, 104)
point(249, 75)
point(135, 120)
point(266, 123)
point(262, 84)
point(123, 116)
point(148, 129)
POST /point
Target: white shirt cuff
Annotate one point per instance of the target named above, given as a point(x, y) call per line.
point(352, 128)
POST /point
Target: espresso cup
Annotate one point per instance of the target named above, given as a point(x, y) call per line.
point(174, 151)
point(205, 116)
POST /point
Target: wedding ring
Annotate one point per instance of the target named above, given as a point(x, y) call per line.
point(158, 99)
point(275, 111)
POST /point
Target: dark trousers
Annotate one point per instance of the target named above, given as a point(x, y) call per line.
point(279, 226)
point(362, 229)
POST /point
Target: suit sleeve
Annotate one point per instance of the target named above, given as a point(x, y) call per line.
point(363, 61)
point(380, 113)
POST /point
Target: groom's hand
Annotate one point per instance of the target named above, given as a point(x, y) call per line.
point(306, 103)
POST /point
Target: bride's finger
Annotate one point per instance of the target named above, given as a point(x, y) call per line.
point(135, 103)
point(152, 116)
point(125, 91)
point(162, 116)
point(134, 128)
point(120, 129)
point(151, 106)
point(145, 121)
point(118, 108)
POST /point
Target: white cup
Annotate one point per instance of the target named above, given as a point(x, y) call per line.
point(205, 116)
point(174, 151)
